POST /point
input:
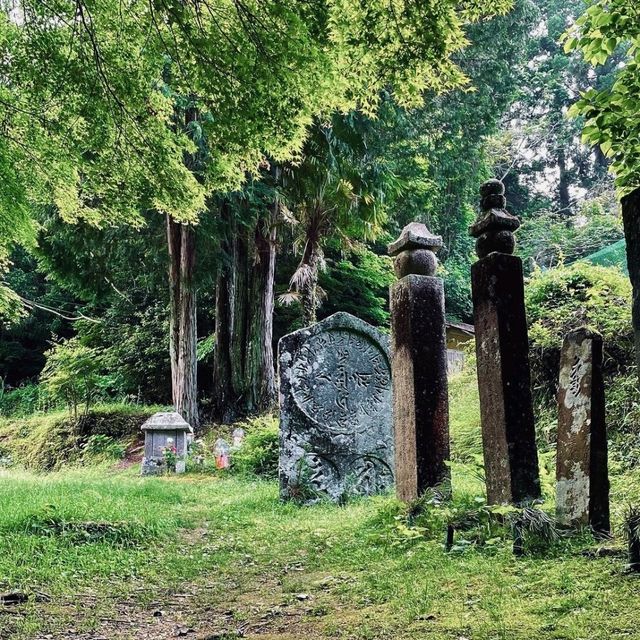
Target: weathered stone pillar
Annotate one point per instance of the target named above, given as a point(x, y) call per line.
point(502, 349)
point(631, 220)
point(419, 364)
point(581, 470)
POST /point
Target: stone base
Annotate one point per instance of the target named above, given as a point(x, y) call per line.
point(158, 467)
point(420, 398)
point(153, 467)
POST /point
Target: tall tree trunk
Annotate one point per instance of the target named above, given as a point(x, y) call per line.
point(309, 291)
point(183, 320)
point(631, 219)
point(563, 185)
point(244, 375)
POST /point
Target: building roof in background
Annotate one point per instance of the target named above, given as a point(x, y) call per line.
point(469, 329)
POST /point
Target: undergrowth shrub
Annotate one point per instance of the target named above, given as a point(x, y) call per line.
point(623, 418)
point(259, 452)
point(73, 374)
point(49, 441)
point(25, 400)
point(104, 447)
point(466, 522)
point(466, 434)
point(565, 298)
point(562, 299)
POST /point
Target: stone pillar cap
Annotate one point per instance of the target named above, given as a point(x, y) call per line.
point(494, 217)
point(166, 421)
point(494, 220)
point(415, 236)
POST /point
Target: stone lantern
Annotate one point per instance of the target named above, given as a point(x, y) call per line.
point(163, 430)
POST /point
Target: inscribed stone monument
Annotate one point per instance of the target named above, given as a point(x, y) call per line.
point(335, 410)
point(581, 469)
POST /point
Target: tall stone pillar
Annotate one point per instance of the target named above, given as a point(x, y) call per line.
point(631, 220)
point(419, 364)
point(502, 349)
point(581, 469)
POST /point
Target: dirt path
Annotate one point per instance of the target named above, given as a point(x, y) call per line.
point(245, 604)
point(263, 612)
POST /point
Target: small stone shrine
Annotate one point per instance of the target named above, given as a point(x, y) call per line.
point(336, 433)
point(581, 471)
point(502, 351)
point(163, 431)
point(419, 362)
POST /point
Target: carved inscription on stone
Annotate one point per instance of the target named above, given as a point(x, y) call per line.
point(341, 380)
point(335, 410)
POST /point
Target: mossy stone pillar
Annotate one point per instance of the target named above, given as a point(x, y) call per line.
point(504, 379)
point(582, 490)
point(418, 364)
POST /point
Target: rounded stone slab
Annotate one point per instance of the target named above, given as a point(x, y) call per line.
point(336, 433)
point(334, 389)
point(166, 421)
point(415, 236)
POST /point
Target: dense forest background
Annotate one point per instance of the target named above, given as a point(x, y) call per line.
point(165, 311)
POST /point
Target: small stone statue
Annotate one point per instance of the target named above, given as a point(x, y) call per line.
point(494, 229)
point(238, 437)
point(221, 454)
point(415, 250)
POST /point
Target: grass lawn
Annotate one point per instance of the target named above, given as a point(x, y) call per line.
point(106, 554)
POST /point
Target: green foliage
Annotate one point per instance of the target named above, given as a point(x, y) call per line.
point(50, 441)
point(206, 347)
point(254, 76)
point(339, 193)
point(102, 446)
point(565, 298)
point(466, 435)
point(72, 374)
point(358, 285)
point(438, 152)
point(24, 400)
point(135, 348)
point(611, 114)
point(548, 240)
point(623, 418)
point(260, 449)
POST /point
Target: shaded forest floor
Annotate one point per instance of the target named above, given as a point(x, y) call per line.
point(101, 553)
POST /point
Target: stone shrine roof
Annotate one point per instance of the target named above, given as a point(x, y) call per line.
point(166, 421)
point(415, 236)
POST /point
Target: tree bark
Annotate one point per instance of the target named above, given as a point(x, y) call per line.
point(631, 220)
point(183, 320)
point(309, 292)
point(563, 185)
point(244, 375)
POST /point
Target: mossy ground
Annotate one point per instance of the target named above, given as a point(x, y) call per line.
point(104, 553)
